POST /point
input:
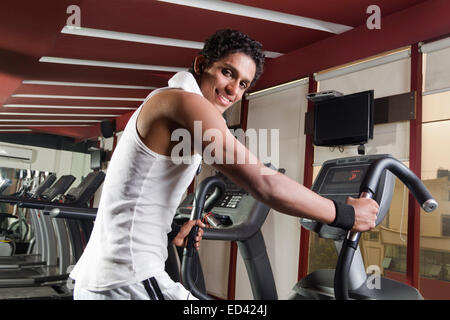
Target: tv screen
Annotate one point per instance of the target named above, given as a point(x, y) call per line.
point(344, 120)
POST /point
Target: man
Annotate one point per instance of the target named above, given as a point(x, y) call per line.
point(125, 256)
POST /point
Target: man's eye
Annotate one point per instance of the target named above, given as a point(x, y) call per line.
point(244, 85)
point(227, 72)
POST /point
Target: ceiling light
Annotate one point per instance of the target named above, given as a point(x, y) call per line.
point(49, 96)
point(141, 38)
point(65, 107)
point(57, 114)
point(110, 64)
point(133, 37)
point(81, 84)
point(15, 130)
point(263, 14)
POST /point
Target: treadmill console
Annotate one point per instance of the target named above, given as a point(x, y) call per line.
point(234, 208)
point(60, 186)
point(227, 210)
point(341, 178)
point(82, 193)
point(48, 181)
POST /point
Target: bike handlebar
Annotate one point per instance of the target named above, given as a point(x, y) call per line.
point(368, 189)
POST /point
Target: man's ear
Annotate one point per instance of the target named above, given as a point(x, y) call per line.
point(199, 62)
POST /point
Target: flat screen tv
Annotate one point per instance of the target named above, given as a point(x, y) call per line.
point(344, 120)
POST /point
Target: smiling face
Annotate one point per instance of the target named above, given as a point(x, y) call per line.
point(225, 81)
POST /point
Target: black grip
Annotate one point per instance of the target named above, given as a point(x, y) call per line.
point(414, 184)
point(199, 205)
point(191, 239)
point(197, 210)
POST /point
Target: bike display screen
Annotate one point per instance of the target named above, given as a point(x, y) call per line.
point(343, 180)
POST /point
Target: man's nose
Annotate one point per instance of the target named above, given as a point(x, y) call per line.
point(232, 88)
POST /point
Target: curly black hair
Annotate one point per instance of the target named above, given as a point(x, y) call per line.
point(227, 41)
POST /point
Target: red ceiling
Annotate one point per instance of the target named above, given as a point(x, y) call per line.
point(31, 29)
point(347, 12)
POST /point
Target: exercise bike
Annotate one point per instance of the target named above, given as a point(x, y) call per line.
point(372, 177)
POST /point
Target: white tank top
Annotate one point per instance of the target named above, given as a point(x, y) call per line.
point(140, 194)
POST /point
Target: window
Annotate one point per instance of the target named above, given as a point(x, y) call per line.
point(435, 226)
point(372, 74)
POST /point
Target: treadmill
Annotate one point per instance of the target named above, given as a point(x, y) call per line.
point(43, 251)
point(38, 250)
point(77, 197)
point(56, 271)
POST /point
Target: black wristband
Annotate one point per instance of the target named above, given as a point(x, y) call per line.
point(345, 216)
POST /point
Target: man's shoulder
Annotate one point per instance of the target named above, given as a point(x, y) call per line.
point(177, 102)
point(178, 95)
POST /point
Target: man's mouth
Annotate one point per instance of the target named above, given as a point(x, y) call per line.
point(224, 99)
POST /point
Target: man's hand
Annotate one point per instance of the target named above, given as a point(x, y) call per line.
point(365, 213)
point(180, 239)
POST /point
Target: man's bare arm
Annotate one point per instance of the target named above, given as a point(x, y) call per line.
point(271, 187)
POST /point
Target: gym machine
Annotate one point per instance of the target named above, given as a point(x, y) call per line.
point(363, 176)
point(31, 285)
point(42, 247)
point(235, 216)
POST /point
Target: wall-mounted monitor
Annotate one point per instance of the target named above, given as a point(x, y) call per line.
point(344, 120)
